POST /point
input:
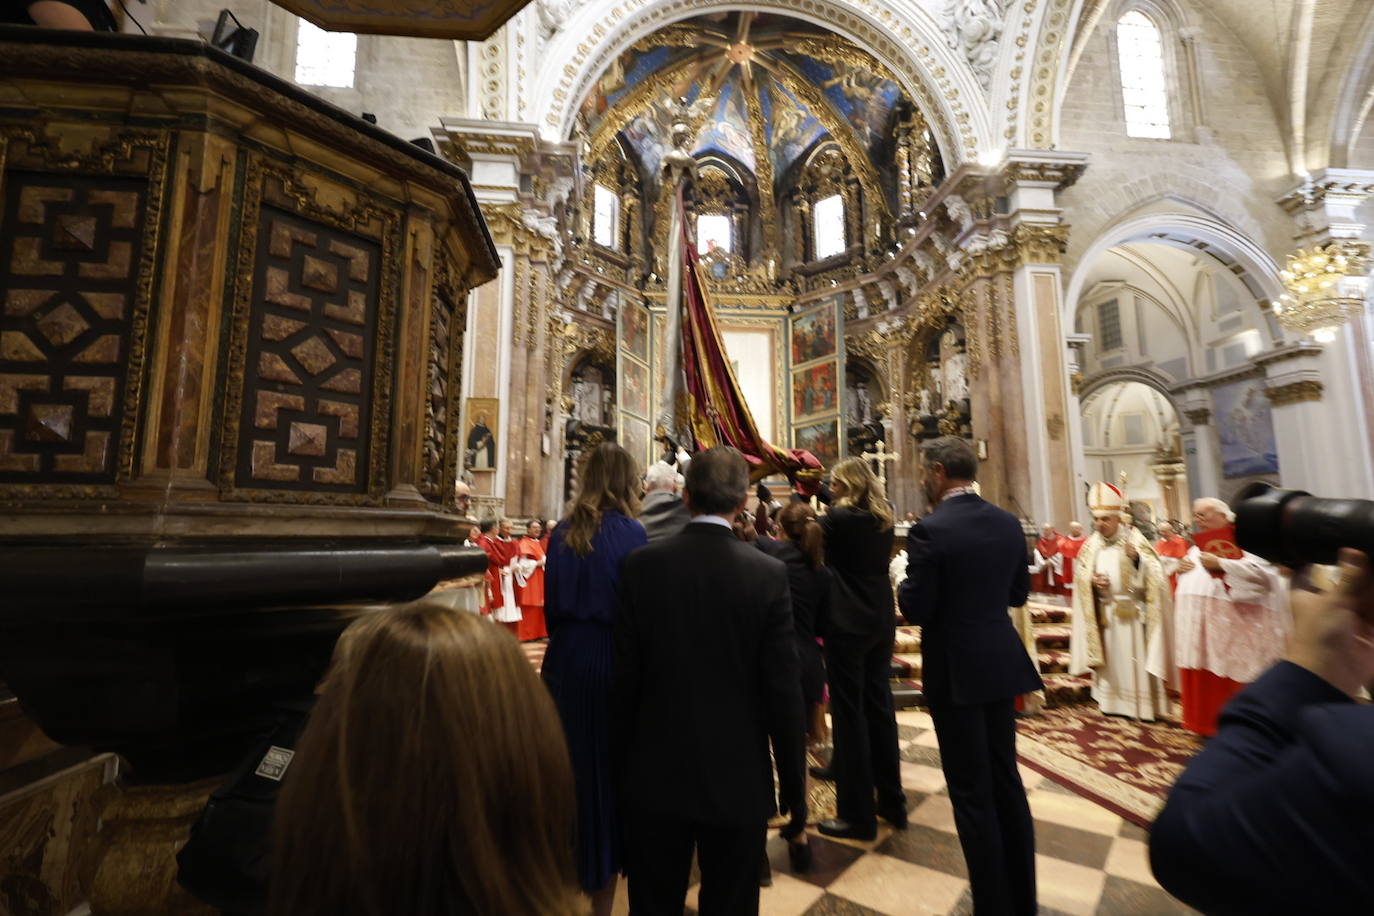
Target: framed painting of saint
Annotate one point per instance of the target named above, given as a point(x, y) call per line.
point(634, 388)
point(480, 437)
point(634, 438)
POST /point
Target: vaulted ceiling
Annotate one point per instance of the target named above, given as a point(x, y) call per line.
point(1315, 59)
point(766, 88)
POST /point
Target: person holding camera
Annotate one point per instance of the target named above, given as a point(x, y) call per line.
point(1230, 617)
point(1276, 815)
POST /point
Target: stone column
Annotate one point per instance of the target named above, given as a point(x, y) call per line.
point(1033, 181)
point(1315, 409)
point(1201, 454)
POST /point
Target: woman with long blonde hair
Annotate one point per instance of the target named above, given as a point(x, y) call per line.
point(858, 655)
point(581, 590)
point(432, 778)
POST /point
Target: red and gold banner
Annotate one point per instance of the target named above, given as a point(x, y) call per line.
point(717, 412)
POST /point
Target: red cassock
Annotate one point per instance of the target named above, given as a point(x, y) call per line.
point(1068, 549)
point(1048, 581)
point(499, 554)
point(530, 596)
point(1174, 548)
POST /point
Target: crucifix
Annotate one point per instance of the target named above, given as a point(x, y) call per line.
point(881, 455)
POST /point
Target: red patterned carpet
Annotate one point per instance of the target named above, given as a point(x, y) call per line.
point(1126, 766)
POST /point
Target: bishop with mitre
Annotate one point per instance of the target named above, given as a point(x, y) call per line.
point(1118, 632)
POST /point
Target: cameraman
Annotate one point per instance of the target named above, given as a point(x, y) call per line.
point(1276, 815)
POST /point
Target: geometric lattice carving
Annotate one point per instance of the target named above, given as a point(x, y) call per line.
point(68, 284)
point(310, 359)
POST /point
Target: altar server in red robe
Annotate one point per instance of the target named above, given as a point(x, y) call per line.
point(1231, 617)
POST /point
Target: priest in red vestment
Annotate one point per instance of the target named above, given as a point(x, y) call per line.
point(500, 550)
point(529, 582)
point(1069, 546)
point(1047, 566)
point(1171, 549)
point(1231, 617)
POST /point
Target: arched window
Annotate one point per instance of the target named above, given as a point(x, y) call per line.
point(827, 218)
point(325, 58)
point(1144, 89)
point(605, 216)
point(714, 233)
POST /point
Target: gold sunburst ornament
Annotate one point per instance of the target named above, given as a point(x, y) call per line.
point(1325, 287)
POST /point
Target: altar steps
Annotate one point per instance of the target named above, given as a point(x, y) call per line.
point(1050, 619)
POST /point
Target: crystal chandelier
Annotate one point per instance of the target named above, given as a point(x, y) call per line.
point(1325, 287)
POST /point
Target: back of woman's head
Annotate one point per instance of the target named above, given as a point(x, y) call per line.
point(432, 778)
point(863, 490)
point(798, 522)
point(609, 480)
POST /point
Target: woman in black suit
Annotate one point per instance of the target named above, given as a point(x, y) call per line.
point(801, 547)
point(858, 655)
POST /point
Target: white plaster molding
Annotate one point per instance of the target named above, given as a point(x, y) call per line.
point(904, 35)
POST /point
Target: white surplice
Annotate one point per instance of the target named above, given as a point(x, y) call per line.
point(1123, 685)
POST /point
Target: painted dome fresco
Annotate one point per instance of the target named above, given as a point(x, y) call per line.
point(766, 89)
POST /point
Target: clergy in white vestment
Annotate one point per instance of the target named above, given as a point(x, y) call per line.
point(1118, 632)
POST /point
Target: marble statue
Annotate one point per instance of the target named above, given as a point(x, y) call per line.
point(974, 28)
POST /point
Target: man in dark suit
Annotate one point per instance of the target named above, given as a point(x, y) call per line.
point(1276, 815)
point(966, 566)
point(704, 673)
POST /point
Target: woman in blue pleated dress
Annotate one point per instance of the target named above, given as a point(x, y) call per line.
point(582, 578)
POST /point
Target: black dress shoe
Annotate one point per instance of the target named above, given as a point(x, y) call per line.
point(765, 872)
point(799, 857)
point(823, 772)
point(895, 816)
point(847, 831)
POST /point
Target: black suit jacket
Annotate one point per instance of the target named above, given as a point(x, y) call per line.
point(858, 554)
point(966, 566)
point(1276, 815)
point(704, 673)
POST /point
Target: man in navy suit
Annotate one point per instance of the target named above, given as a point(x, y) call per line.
point(966, 566)
point(1276, 815)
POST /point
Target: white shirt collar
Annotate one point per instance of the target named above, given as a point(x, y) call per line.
point(958, 491)
point(713, 520)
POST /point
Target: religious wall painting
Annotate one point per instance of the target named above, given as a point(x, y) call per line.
point(790, 127)
point(727, 130)
point(480, 440)
point(813, 334)
point(635, 439)
point(634, 330)
point(814, 391)
point(861, 97)
point(634, 392)
point(1245, 426)
point(623, 74)
point(820, 439)
point(593, 396)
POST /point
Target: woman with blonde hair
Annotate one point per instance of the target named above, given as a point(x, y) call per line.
point(858, 655)
point(432, 778)
point(581, 590)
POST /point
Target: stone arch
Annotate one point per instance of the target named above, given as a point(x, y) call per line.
point(1209, 235)
point(1147, 377)
point(908, 41)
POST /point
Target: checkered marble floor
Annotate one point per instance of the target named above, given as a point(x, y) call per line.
point(1090, 862)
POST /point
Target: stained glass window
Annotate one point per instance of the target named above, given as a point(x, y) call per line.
point(828, 224)
point(606, 217)
point(714, 233)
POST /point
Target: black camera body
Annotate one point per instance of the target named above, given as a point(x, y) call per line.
point(1294, 528)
